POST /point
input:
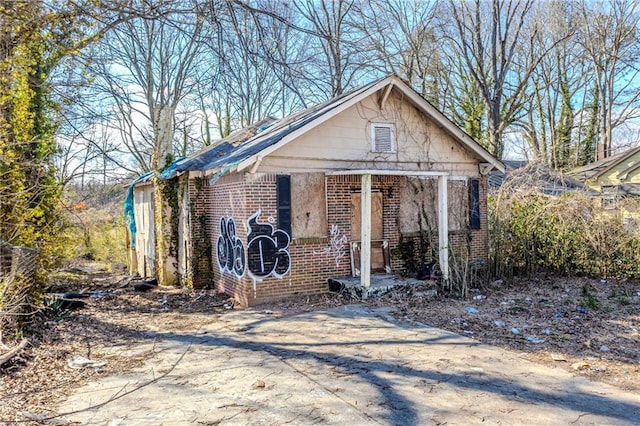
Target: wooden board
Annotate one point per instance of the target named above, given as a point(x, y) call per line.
point(377, 235)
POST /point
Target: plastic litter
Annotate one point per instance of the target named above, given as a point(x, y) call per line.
point(515, 331)
point(79, 362)
point(471, 310)
point(535, 340)
point(546, 332)
point(479, 297)
point(604, 348)
point(499, 323)
point(581, 310)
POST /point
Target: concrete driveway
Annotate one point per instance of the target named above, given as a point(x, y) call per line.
point(345, 366)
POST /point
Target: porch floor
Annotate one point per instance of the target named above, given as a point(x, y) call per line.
point(380, 285)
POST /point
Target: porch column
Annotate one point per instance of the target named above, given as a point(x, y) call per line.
point(443, 228)
point(365, 238)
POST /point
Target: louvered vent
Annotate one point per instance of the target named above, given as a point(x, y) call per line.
point(383, 138)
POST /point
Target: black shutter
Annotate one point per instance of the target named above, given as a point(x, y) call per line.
point(474, 204)
point(283, 185)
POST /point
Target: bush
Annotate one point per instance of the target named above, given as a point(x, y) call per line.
point(567, 234)
point(95, 226)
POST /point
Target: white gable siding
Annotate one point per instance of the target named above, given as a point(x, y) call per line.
point(344, 142)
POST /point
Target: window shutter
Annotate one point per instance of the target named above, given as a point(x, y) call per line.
point(383, 138)
point(283, 189)
point(474, 204)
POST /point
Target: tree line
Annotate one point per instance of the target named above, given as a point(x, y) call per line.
point(92, 89)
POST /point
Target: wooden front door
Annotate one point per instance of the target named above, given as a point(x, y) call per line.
point(377, 236)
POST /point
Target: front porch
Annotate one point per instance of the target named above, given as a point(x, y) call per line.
point(379, 285)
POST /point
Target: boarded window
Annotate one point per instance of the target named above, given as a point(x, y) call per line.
point(382, 137)
point(284, 202)
point(419, 205)
point(458, 195)
point(309, 207)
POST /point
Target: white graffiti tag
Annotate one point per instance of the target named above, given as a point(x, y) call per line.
point(337, 244)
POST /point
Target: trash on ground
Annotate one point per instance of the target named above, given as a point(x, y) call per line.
point(471, 310)
point(535, 340)
point(499, 323)
point(515, 331)
point(79, 362)
point(145, 285)
point(581, 365)
point(604, 348)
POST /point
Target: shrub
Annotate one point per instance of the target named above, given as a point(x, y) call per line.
point(566, 234)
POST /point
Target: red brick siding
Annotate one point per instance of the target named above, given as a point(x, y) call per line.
point(311, 263)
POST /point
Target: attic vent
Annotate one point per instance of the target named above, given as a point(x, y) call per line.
point(382, 137)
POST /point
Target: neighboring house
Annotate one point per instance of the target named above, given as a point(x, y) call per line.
point(534, 176)
point(613, 177)
point(347, 187)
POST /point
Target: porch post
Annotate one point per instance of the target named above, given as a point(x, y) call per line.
point(365, 238)
point(443, 228)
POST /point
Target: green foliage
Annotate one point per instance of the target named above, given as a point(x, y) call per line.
point(29, 192)
point(94, 225)
point(588, 145)
point(589, 301)
point(566, 234)
point(564, 128)
point(201, 263)
point(624, 300)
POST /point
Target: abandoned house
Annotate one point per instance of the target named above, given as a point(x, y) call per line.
point(374, 181)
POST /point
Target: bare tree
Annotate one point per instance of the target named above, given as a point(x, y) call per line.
point(146, 71)
point(401, 33)
point(608, 33)
point(338, 61)
point(551, 107)
point(498, 54)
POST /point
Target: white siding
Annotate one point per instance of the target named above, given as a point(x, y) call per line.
point(344, 142)
point(145, 229)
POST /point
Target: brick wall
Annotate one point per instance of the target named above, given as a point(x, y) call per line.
point(313, 260)
point(199, 263)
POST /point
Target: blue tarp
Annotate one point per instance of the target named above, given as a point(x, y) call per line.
point(129, 213)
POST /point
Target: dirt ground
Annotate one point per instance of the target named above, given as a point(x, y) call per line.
point(589, 327)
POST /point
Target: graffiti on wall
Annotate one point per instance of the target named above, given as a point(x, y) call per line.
point(231, 257)
point(337, 245)
point(267, 251)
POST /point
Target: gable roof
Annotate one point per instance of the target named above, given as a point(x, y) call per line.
point(595, 170)
point(243, 148)
point(497, 177)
